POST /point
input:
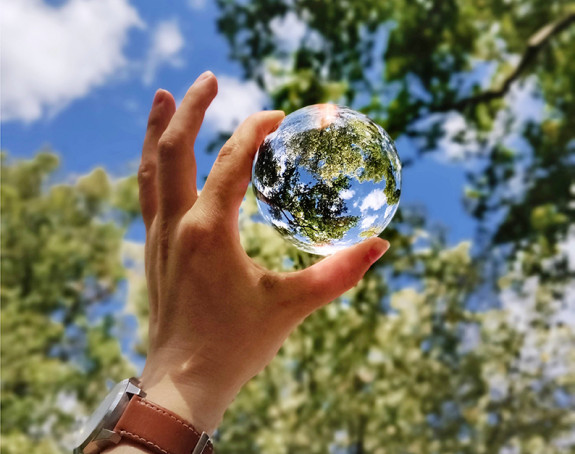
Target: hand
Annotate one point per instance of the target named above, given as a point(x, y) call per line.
point(216, 317)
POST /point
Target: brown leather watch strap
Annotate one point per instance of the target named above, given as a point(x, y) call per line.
point(157, 429)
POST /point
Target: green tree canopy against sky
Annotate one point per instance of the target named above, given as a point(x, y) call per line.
point(442, 348)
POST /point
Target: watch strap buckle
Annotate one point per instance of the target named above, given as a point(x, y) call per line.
point(202, 443)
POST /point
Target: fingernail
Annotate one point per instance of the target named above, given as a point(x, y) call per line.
point(204, 76)
point(377, 251)
point(158, 97)
point(277, 125)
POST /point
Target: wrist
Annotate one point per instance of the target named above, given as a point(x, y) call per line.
point(200, 408)
point(201, 404)
point(144, 423)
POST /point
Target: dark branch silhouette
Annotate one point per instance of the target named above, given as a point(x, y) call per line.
point(535, 45)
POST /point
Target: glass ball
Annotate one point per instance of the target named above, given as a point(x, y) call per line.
point(327, 178)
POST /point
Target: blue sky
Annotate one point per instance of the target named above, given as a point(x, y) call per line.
point(79, 78)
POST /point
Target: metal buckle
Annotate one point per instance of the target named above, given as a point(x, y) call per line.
point(202, 443)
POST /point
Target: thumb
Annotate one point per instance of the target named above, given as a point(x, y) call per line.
point(331, 277)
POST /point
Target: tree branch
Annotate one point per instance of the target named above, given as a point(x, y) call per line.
point(535, 45)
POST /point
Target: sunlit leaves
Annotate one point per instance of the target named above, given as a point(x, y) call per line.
point(60, 263)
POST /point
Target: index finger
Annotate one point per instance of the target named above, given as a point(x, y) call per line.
point(229, 178)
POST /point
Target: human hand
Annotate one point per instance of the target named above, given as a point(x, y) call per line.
point(216, 317)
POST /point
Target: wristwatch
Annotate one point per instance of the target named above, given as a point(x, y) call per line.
point(125, 414)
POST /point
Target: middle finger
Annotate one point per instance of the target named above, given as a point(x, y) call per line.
point(177, 190)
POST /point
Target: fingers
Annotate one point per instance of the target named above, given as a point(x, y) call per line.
point(326, 280)
point(163, 109)
point(176, 161)
point(230, 176)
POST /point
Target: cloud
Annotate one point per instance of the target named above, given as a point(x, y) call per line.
point(290, 33)
point(167, 42)
point(458, 140)
point(54, 55)
point(374, 200)
point(289, 30)
point(347, 194)
point(368, 221)
point(197, 5)
point(236, 100)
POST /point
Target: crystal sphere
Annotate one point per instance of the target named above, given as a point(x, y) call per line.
point(327, 178)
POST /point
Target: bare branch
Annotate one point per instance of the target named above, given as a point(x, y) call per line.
point(535, 44)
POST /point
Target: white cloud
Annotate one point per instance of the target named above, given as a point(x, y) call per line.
point(455, 127)
point(197, 4)
point(368, 221)
point(347, 194)
point(374, 200)
point(54, 55)
point(289, 30)
point(167, 42)
point(236, 100)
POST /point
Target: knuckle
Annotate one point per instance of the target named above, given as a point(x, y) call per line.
point(146, 172)
point(197, 236)
point(167, 145)
point(229, 149)
point(198, 231)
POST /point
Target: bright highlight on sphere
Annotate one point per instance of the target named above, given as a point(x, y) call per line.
point(327, 178)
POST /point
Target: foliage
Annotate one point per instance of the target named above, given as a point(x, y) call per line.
point(416, 370)
point(60, 268)
point(438, 55)
point(440, 349)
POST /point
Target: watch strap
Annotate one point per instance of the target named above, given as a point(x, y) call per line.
point(159, 430)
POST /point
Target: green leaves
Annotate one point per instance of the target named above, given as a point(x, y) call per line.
point(428, 354)
point(60, 263)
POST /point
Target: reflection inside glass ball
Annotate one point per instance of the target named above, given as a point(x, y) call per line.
point(327, 178)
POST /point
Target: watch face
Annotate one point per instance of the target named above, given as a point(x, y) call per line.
point(104, 417)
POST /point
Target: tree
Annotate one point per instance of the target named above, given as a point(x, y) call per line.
point(437, 54)
point(463, 349)
point(392, 369)
point(61, 267)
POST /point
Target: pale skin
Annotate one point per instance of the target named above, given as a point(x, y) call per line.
point(217, 318)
